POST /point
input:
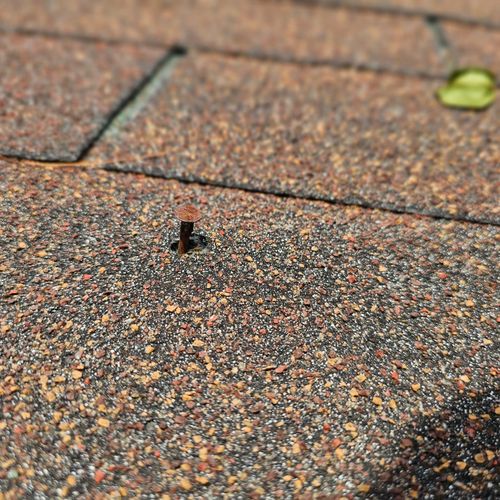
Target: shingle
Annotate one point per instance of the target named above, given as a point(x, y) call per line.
point(265, 28)
point(354, 137)
point(343, 346)
point(57, 94)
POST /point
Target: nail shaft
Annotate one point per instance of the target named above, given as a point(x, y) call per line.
point(186, 231)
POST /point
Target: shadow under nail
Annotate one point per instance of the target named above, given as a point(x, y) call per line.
point(197, 243)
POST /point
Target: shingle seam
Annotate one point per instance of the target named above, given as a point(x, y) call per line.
point(347, 201)
point(350, 201)
point(132, 94)
point(325, 62)
point(108, 121)
point(144, 96)
point(444, 49)
point(250, 54)
point(79, 37)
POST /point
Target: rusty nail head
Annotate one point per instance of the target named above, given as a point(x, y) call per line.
point(187, 215)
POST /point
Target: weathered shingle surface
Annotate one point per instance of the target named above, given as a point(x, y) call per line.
point(308, 348)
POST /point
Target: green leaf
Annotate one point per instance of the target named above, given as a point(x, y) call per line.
point(468, 88)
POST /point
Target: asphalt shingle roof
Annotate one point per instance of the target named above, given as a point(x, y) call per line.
point(334, 335)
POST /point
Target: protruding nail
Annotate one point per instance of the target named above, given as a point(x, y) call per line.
point(187, 215)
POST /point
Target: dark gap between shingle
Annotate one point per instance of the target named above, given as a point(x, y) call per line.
point(333, 63)
point(79, 37)
point(345, 202)
point(138, 97)
point(70, 149)
point(260, 56)
point(443, 46)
